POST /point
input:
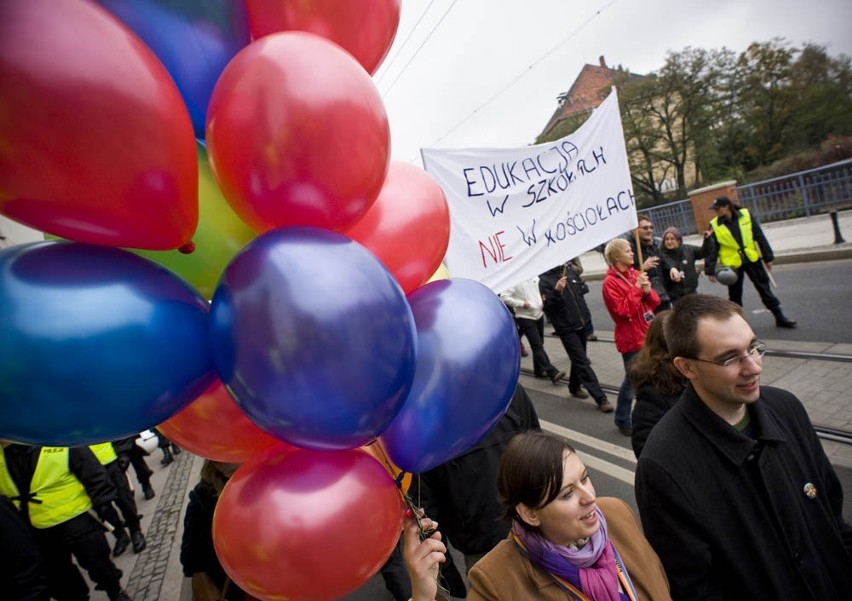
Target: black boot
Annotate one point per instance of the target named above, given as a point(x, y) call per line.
point(167, 456)
point(175, 449)
point(122, 541)
point(138, 539)
point(147, 490)
point(782, 321)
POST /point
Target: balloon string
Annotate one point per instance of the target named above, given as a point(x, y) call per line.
point(390, 467)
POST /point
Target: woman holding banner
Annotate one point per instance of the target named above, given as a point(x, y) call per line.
point(631, 301)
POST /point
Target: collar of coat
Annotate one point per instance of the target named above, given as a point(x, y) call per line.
point(730, 442)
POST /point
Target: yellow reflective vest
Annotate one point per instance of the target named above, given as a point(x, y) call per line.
point(104, 452)
point(56, 494)
point(729, 248)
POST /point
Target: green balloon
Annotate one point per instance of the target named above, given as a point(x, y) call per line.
point(220, 235)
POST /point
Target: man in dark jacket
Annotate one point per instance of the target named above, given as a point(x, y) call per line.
point(650, 247)
point(566, 308)
point(461, 494)
point(734, 490)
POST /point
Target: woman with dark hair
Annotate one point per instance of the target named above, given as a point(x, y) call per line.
point(678, 264)
point(565, 543)
point(657, 382)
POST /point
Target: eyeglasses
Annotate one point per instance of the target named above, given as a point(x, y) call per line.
point(754, 352)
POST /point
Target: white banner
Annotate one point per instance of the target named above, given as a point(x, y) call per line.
point(516, 212)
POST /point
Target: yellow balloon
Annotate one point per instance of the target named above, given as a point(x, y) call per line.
point(442, 273)
point(219, 237)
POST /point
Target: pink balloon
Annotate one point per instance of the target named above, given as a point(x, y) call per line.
point(408, 227)
point(306, 525)
point(214, 427)
point(96, 144)
point(366, 32)
point(297, 134)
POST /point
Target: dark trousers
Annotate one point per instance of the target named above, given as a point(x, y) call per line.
point(124, 501)
point(83, 538)
point(533, 329)
point(758, 276)
point(582, 374)
point(136, 458)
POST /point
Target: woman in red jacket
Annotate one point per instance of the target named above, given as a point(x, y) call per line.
point(631, 301)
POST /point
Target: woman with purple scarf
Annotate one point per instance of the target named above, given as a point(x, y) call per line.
point(565, 543)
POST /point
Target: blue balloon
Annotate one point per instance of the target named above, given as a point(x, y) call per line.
point(314, 338)
point(194, 39)
point(467, 367)
point(97, 343)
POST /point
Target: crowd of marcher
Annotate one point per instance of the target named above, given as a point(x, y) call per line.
point(736, 497)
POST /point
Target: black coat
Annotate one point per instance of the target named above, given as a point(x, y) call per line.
point(650, 407)
point(461, 494)
point(567, 311)
point(197, 553)
point(683, 258)
point(22, 571)
point(735, 517)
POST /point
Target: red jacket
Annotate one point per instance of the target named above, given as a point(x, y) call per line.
point(627, 305)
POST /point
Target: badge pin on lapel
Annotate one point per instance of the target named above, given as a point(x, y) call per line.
point(810, 491)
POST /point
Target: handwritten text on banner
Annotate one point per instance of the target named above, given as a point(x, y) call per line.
point(517, 212)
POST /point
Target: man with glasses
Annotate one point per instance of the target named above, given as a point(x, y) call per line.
point(735, 492)
point(651, 250)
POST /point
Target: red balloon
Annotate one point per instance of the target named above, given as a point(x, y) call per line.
point(214, 427)
point(408, 227)
point(366, 32)
point(297, 134)
point(306, 525)
point(97, 145)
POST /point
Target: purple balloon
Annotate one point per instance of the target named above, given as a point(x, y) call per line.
point(467, 367)
point(194, 39)
point(314, 338)
point(96, 343)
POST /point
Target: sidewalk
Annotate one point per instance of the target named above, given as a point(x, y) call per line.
point(801, 240)
point(156, 575)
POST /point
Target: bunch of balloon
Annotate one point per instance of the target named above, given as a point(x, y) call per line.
point(99, 149)
point(311, 334)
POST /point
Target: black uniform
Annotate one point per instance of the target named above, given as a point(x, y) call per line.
point(81, 536)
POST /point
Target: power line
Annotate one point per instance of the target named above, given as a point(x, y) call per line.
point(428, 37)
point(528, 69)
point(404, 42)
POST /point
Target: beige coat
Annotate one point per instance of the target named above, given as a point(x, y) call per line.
point(506, 575)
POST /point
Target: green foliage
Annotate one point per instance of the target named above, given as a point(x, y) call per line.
point(709, 115)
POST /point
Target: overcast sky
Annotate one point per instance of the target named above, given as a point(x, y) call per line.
point(489, 74)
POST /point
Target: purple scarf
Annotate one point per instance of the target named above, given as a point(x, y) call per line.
point(590, 568)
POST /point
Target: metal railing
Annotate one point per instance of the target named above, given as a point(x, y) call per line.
point(800, 194)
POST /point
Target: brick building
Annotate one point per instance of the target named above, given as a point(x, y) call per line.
point(591, 87)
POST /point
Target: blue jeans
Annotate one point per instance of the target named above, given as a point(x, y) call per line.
point(625, 394)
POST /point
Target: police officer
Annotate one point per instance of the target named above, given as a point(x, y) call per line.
point(741, 245)
point(124, 501)
point(54, 488)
